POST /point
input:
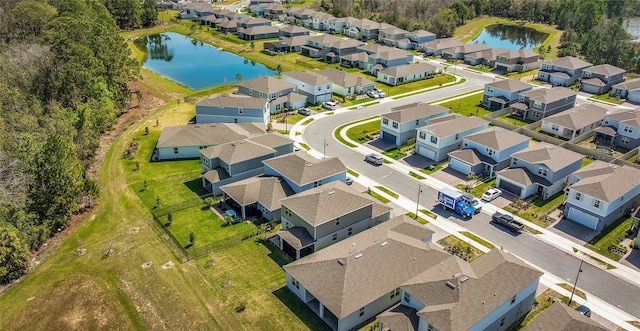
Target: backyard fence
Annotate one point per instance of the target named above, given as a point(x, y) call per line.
point(162, 211)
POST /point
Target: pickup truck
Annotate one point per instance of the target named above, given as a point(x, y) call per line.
point(450, 199)
point(508, 221)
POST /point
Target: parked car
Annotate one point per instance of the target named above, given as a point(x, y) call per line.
point(373, 94)
point(348, 181)
point(374, 159)
point(508, 221)
point(584, 310)
point(304, 111)
point(329, 105)
point(380, 93)
point(491, 194)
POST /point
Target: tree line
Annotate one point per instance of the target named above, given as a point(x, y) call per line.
point(592, 28)
point(64, 71)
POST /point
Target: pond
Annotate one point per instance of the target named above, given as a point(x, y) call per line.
point(194, 64)
point(511, 37)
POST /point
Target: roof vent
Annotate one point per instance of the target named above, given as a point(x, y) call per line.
point(331, 192)
point(341, 262)
point(384, 243)
point(310, 164)
point(358, 256)
point(457, 275)
point(451, 285)
point(464, 279)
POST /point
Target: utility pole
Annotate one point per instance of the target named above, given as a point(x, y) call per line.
point(576, 282)
point(324, 148)
point(418, 201)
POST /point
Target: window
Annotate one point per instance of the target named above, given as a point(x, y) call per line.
point(502, 321)
point(466, 144)
point(423, 135)
point(328, 87)
point(317, 183)
point(596, 203)
point(555, 127)
point(319, 88)
point(489, 89)
point(385, 121)
point(395, 125)
point(513, 300)
point(542, 171)
point(456, 137)
point(434, 139)
point(335, 237)
point(537, 104)
point(295, 283)
point(407, 297)
point(417, 122)
point(514, 161)
point(578, 196)
point(490, 151)
point(395, 293)
point(251, 92)
point(625, 140)
point(175, 150)
point(628, 129)
point(240, 111)
point(361, 311)
point(349, 231)
point(431, 328)
point(278, 106)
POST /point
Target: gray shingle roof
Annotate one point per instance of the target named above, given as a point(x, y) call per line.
point(560, 317)
point(605, 69)
point(469, 156)
point(267, 84)
point(344, 283)
point(554, 157)
point(631, 84)
point(497, 138)
point(452, 124)
point(578, 117)
point(308, 77)
point(521, 53)
point(400, 318)
point(510, 85)
point(265, 190)
point(237, 151)
point(523, 176)
point(271, 140)
point(302, 168)
point(344, 79)
point(623, 115)
point(262, 29)
point(569, 62)
point(606, 182)
point(233, 101)
point(413, 111)
point(294, 29)
point(408, 69)
point(421, 33)
point(443, 43)
point(396, 53)
point(201, 135)
point(550, 95)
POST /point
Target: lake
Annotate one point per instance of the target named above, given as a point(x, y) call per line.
point(511, 37)
point(194, 64)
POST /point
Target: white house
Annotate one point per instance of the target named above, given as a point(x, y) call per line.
point(575, 121)
point(232, 108)
point(345, 83)
point(316, 87)
point(399, 126)
point(444, 134)
point(406, 73)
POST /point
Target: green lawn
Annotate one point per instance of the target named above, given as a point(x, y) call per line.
point(305, 146)
point(353, 173)
point(478, 239)
point(361, 133)
point(468, 106)
point(462, 246)
point(606, 97)
point(377, 196)
point(538, 208)
point(418, 219)
point(418, 85)
point(512, 120)
point(308, 121)
point(433, 168)
point(479, 189)
point(387, 191)
point(611, 235)
point(416, 176)
point(400, 152)
point(587, 161)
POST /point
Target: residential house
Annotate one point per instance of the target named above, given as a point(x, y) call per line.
point(293, 31)
point(290, 101)
point(487, 151)
point(444, 134)
point(418, 37)
point(601, 193)
point(561, 317)
point(436, 47)
point(230, 162)
point(354, 280)
point(285, 45)
point(502, 93)
point(266, 87)
point(541, 169)
point(399, 126)
point(259, 32)
point(231, 108)
point(254, 22)
point(321, 216)
point(186, 141)
point(407, 73)
point(391, 35)
point(227, 26)
point(302, 171)
point(537, 104)
point(317, 88)
point(322, 21)
point(575, 121)
point(520, 61)
point(629, 90)
point(362, 29)
point(487, 57)
point(635, 227)
point(386, 59)
point(259, 196)
point(341, 48)
point(345, 83)
point(195, 11)
point(564, 71)
point(355, 60)
point(459, 52)
point(620, 128)
point(494, 292)
point(273, 11)
point(300, 16)
point(318, 46)
point(599, 79)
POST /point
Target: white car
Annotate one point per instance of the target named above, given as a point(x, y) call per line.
point(374, 159)
point(330, 105)
point(380, 93)
point(373, 94)
point(491, 194)
point(348, 181)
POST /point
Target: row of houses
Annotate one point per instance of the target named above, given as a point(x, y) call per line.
point(566, 71)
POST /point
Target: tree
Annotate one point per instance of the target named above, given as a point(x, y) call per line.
point(238, 77)
point(462, 11)
point(169, 218)
point(444, 23)
point(14, 255)
point(149, 16)
point(192, 238)
point(279, 69)
point(253, 46)
point(472, 181)
point(126, 13)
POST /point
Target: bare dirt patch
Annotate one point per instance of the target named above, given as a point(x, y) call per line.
point(168, 265)
point(133, 230)
point(146, 265)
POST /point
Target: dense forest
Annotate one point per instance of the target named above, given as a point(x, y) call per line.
point(592, 28)
point(64, 71)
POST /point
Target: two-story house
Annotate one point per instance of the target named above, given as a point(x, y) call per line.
point(282, 94)
point(318, 46)
point(599, 79)
point(362, 29)
point(354, 280)
point(230, 162)
point(343, 47)
point(444, 134)
point(629, 90)
point(302, 171)
point(407, 73)
point(521, 60)
point(399, 126)
point(459, 52)
point(436, 47)
point(391, 35)
point(537, 104)
point(539, 169)
point(564, 71)
point(345, 83)
point(321, 216)
point(502, 93)
point(321, 21)
point(494, 292)
point(620, 128)
point(390, 58)
point(317, 88)
point(574, 121)
point(561, 317)
point(601, 193)
point(487, 151)
point(487, 57)
point(418, 37)
point(186, 141)
point(232, 108)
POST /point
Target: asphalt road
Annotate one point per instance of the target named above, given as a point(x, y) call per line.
point(563, 265)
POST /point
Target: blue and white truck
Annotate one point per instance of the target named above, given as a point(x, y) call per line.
point(454, 200)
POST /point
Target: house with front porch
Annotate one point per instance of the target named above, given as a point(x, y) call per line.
point(316, 87)
point(324, 215)
point(599, 79)
point(418, 37)
point(487, 151)
point(444, 134)
point(391, 35)
point(302, 171)
point(537, 104)
point(601, 193)
point(407, 73)
point(346, 84)
point(502, 93)
point(629, 90)
point(354, 280)
point(564, 71)
point(230, 162)
point(257, 196)
point(620, 128)
point(541, 169)
point(399, 126)
point(388, 58)
point(574, 121)
point(519, 61)
point(494, 292)
point(459, 52)
point(233, 108)
point(436, 47)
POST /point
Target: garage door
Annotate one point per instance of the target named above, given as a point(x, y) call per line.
point(458, 165)
point(583, 218)
point(510, 187)
point(503, 68)
point(427, 152)
point(386, 136)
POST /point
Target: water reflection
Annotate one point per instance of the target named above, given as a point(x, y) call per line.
point(157, 46)
point(510, 36)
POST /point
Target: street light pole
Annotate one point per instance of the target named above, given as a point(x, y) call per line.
point(324, 148)
point(576, 282)
point(418, 201)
